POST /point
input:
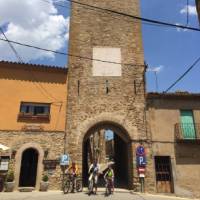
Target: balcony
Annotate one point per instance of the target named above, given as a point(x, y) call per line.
point(187, 132)
point(30, 117)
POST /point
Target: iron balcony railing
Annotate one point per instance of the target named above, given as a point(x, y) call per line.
point(187, 131)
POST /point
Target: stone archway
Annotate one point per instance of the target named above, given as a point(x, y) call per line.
point(18, 159)
point(121, 155)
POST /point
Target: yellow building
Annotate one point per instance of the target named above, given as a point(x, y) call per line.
point(32, 121)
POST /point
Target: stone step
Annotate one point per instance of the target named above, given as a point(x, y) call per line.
point(26, 189)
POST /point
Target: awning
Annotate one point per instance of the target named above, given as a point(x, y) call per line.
point(3, 147)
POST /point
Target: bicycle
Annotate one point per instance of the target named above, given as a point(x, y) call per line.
point(109, 186)
point(70, 186)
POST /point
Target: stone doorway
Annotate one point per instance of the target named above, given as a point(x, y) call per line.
point(108, 142)
point(28, 171)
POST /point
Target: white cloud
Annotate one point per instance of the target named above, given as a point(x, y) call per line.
point(155, 69)
point(181, 29)
point(190, 9)
point(33, 22)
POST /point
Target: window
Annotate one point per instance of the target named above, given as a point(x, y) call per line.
point(187, 124)
point(34, 111)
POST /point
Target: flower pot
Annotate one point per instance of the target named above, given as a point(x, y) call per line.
point(44, 186)
point(9, 186)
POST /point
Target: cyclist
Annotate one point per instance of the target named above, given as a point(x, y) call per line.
point(73, 171)
point(109, 178)
point(93, 172)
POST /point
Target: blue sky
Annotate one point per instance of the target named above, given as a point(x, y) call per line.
point(168, 50)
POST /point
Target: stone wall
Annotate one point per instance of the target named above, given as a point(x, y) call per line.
point(50, 146)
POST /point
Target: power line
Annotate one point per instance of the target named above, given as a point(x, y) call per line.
point(67, 54)
point(39, 86)
point(136, 17)
point(11, 46)
point(114, 17)
point(145, 21)
point(183, 75)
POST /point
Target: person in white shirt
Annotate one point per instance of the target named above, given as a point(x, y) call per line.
point(93, 172)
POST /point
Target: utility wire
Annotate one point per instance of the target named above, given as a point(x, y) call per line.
point(145, 21)
point(99, 11)
point(67, 54)
point(39, 86)
point(183, 75)
point(136, 17)
point(11, 46)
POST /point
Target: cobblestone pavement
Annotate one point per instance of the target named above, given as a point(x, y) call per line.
point(57, 195)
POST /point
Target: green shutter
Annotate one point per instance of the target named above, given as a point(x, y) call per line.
point(187, 124)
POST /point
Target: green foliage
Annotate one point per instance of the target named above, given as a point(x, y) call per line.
point(10, 176)
point(45, 178)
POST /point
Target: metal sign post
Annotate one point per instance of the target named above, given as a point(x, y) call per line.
point(141, 165)
point(64, 162)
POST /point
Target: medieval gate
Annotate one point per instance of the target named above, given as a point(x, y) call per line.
point(106, 89)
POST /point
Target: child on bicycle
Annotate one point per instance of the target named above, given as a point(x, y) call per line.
point(73, 171)
point(109, 177)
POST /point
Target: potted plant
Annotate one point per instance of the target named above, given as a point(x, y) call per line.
point(9, 182)
point(44, 184)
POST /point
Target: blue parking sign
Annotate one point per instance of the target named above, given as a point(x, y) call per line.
point(141, 161)
point(64, 160)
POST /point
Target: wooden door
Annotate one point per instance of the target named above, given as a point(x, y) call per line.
point(164, 180)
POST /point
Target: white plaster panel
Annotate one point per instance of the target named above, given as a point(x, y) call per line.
point(105, 68)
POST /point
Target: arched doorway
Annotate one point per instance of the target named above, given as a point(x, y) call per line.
point(28, 171)
point(109, 142)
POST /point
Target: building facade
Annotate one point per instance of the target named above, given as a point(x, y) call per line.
point(49, 111)
point(173, 122)
point(32, 122)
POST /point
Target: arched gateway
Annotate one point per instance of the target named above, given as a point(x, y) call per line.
point(106, 142)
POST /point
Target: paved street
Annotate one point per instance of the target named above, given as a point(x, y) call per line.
point(57, 195)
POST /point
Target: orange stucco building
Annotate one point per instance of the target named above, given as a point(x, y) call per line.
point(32, 122)
point(34, 84)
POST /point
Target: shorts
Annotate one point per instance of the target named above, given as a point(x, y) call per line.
point(95, 180)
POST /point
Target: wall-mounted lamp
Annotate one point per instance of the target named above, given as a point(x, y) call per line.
point(46, 152)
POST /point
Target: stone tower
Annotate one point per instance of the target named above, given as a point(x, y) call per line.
point(105, 94)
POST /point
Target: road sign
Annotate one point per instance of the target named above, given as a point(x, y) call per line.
point(140, 150)
point(141, 161)
point(142, 175)
point(141, 170)
point(64, 160)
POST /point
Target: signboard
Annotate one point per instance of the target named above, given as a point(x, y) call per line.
point(140, 151)
point(141, 161)
point(4, 165)
point(142, 175)
point(64, 160)
point(50, 164)
point(141, 170)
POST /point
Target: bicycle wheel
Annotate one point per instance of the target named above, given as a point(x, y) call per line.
point(67, 187)
point(79, 187)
